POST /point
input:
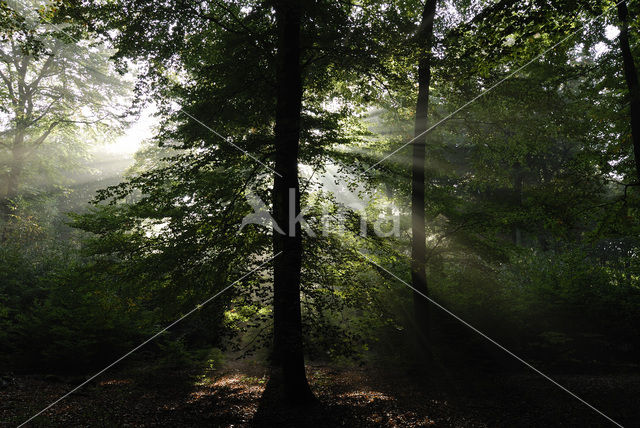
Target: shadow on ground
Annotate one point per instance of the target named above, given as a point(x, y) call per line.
point(241, 395)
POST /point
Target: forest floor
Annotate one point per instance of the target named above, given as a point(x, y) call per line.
point(352, 397)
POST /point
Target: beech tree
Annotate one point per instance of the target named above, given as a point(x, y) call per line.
point(51, 88)
point(287, 247)
point(424, 43)
point(266, 70)
point(631, 78)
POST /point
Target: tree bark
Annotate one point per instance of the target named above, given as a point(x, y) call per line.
point(418, 238)
point(518, 180)
point(12, 180)
point(631, 77)
point(288, 352)
point(22, 103)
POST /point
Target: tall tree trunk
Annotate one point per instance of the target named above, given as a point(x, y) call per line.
point(631, 76)
point(10, 191)
point(288, 353)
point(418, 238)
point(517, 200)
point(5, 212)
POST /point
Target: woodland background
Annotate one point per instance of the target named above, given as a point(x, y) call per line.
point(530, 198)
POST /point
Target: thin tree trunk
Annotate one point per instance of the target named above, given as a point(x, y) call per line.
point(631, 77)
point(288, 352)
point(517, 199)
point(5, 212)
point(13, 181)
point(418, 239)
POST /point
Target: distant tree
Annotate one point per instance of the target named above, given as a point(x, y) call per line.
point(54, 89)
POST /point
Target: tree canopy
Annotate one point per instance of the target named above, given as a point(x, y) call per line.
point(482, 155)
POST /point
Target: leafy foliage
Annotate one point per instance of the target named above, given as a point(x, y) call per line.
point(532, 210)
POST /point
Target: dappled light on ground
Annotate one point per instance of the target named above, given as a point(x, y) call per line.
point(362, 397)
